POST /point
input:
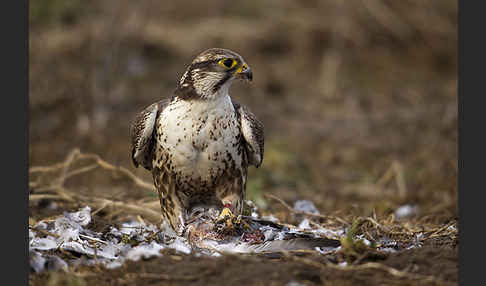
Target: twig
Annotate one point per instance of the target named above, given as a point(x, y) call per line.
point(160, 276)
point(82, 170)
point(107, 166)
point(45, 232)
point(394, 171)
point(104, 205)
point(369, 265)
point(385, 229)
point(436, 232)
point(61, 192)
point(100, 203)
point(92, 238)
point(75, 156)
point(33, 198)
point(148, 213)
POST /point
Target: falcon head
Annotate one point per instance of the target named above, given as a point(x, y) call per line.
point(211, 73)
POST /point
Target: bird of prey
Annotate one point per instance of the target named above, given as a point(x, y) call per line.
point(199, 143)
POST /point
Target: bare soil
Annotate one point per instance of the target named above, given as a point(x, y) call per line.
point(429, 265)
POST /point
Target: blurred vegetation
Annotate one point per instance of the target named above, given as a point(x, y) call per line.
point(346, 90)
point(56, 12)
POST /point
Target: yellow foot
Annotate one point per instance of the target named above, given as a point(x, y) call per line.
point(226, 216)
point(230, 222)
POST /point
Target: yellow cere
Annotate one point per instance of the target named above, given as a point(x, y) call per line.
point(242, 68)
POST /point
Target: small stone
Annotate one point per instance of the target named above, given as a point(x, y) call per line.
point(305, 206)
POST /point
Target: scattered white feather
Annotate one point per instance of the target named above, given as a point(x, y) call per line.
point(114, 264)
point(112, 248)
point(271, 218)
point(388, 249)
point(31, 236)
point(181, 245)
point(82, 217)
point(327, 250)
point(55, 263)
point(36, 261)
point(305, 206)
point(406, 211)
point(46, 243)
point(131, 228)
point(452, 228)
point(144, 251)
point(294, 283)
point(304, 224)
point(41, 225)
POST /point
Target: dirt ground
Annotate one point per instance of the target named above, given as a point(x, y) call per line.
point(249, 270)
point(435, 262)
point(359, 103)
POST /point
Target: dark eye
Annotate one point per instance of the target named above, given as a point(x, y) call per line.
point(228, 63)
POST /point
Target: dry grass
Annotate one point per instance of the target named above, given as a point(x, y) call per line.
point(48, 183)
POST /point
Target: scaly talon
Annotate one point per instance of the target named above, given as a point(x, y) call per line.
point(225, 215)
point(241, 221)
point(230, 223)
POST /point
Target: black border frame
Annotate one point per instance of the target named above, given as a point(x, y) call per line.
point(15, 132)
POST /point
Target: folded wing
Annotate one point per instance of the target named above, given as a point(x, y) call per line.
point(252, 130)
point(142, 132)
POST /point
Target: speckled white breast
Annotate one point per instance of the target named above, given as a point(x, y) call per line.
point(199, 134)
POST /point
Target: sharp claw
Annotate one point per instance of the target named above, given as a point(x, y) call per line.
point(241, 221)
point(228, 223)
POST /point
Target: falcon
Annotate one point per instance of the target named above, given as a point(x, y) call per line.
point(199, 143)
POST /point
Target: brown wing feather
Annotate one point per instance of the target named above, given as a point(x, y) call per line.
point(252, 130)
point(142, 134)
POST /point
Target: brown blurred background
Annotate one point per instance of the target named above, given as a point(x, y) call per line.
point(358, 98)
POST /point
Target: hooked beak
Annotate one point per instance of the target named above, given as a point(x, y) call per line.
point(244, 73)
